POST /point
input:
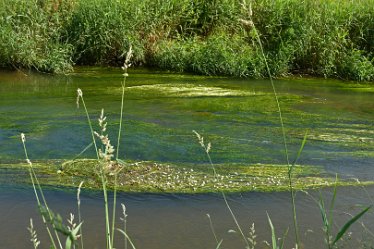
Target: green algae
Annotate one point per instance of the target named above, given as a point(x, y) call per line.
point(239, 117)
point(188, 90)
point(153, 177)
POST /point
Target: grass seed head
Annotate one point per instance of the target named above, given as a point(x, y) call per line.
point(79, 95)
point(23, 137)
point(127, 63)
point(34, 236)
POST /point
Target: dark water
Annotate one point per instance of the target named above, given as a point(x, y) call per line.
point(180, 221)
point(238, 116)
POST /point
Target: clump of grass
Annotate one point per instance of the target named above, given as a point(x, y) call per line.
point(328, 220)
point(219, 54)
point(30, 35)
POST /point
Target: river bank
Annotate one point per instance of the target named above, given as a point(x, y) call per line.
point(320, 38)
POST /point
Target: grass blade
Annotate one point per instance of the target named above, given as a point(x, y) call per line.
point(326, 226)
point(332, 203)
point(322, 209)
point(128, 238)
point(299, 152)
point(284, 238)
point(348, 224)
point(219, 244)
point(273, 236)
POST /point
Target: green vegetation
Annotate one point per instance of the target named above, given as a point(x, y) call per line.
point(153, 177)
point(324, 38)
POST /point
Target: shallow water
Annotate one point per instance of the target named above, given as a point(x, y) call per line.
point(180, 221)
point(238, 116)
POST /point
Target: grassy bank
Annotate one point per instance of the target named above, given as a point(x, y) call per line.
point(323, 38)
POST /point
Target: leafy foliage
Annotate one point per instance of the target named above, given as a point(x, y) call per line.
point(323, 38)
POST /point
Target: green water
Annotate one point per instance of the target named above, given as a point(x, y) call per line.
point(239, 117)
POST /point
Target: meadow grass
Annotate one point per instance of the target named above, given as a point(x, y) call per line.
point(332, 38)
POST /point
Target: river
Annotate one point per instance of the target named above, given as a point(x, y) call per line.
point(238, 116)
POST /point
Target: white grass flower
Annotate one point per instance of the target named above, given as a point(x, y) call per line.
point(247, 23)
point(71, 221)
point(23, 137)
point(102, 122)
point(208, 147)
point(127, 63)
point(252, 237)
point(123, 211)
point(34, 236)
point(108, 153)
point(199, 138)
point(79, 95)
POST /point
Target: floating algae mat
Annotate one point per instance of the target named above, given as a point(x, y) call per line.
point(152, 177)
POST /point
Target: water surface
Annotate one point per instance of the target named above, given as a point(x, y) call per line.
point(239, 117)
point(180, 221)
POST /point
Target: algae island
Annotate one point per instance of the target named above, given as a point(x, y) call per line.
point(152, 177)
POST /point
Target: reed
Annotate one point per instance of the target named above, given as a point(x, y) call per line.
point(320, 38)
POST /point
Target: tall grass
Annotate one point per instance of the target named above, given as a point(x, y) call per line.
point(105, 166)
point(31, 36)
point(332, 38)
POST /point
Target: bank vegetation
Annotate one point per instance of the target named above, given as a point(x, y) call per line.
point(333, 38)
